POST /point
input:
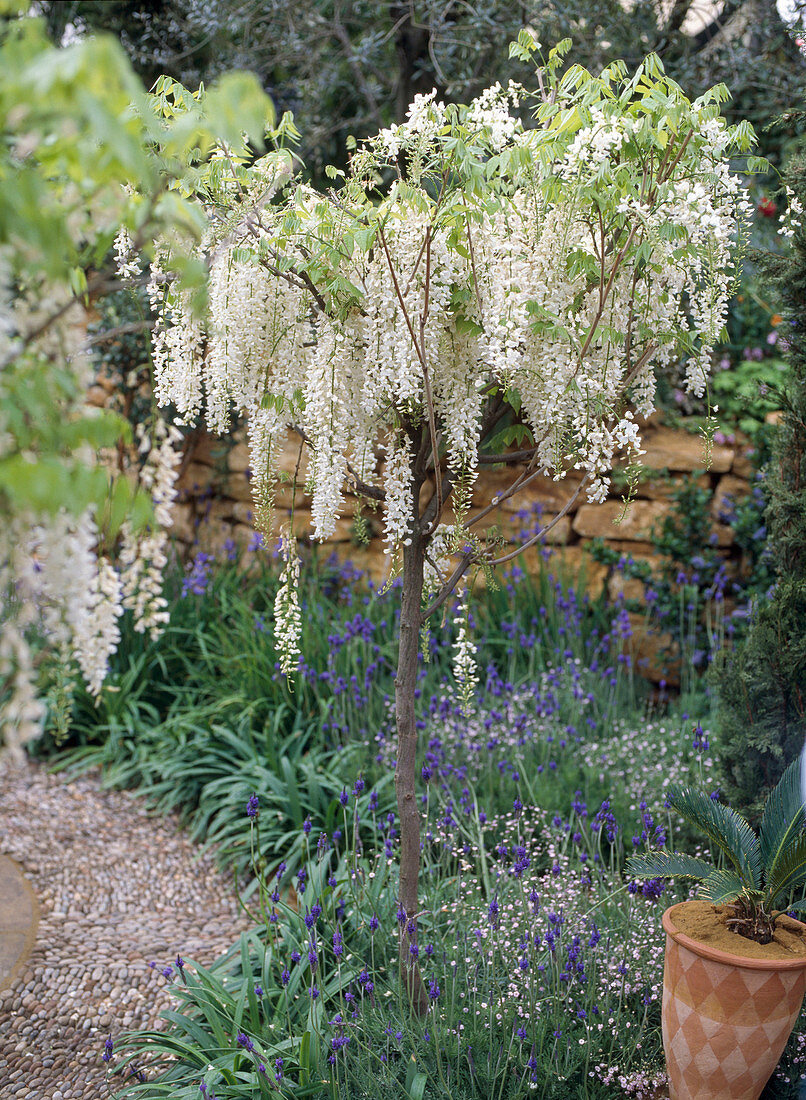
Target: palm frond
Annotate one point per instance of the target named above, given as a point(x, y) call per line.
point(790, 871)
point(663, 864)
point(784, 818)
point(722, 886)
point(724, 828)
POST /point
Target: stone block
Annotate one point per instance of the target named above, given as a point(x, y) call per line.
point(238, 458)
point(743, 463)
point(195, 477)
point(729, 491)
point(97, 397)
point(290, 459)
point(683, 452)
point(663, 487)
point(542, 490)
point(638, 522)
point(517, 530)
point(629, 588)
point(184, 523)
point(575, 566)
point(208, 449)
point(237, 487)
point(218, 511)
point(213, 538)
point(370, 559)
point(653, 652)
point(243, 512)
point(724, 535)
point(643, 551)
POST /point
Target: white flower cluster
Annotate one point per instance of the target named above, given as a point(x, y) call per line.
point(424, 119)
point(69, 593)
point(143, 555)
point(791, 218)
point(53, 584)
point(176, 345)
point(287, 615)
point(596, 145)
point(491, 112)
point(397, 483)
point(465, 669)
point(127, 262)
point(22, 712)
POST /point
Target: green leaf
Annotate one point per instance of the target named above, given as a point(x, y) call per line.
point(782, 822)
point(466, 327)
point(48, 484)
point(663, 864)
point(416, 1081)
point(724, 827)
point(722, 886)
point(790, 870)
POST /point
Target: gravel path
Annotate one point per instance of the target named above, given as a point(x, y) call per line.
point(117, 889)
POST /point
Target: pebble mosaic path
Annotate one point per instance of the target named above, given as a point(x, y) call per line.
point(117, 889)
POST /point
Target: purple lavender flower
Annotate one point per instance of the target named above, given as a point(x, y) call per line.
point(109, 1047)
point(198, 576)
point(700, 741)
point(252, 806)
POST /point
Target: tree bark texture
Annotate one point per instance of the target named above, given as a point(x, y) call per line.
point(406, 771)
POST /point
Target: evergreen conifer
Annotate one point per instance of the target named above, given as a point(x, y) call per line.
point(762, 685)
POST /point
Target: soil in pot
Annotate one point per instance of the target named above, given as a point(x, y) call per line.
point(707, 924)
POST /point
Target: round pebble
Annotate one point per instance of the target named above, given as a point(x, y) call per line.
point(118, 888)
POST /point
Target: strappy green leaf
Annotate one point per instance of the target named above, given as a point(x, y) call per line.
point(722, 886)
point(663, 864)
point(790, 870)
point(726, 829)
point(782, 822)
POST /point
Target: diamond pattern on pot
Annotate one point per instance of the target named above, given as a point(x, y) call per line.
point(724, 1026)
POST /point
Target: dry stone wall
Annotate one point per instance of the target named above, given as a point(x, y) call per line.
point(215, 502)
point(215, 512)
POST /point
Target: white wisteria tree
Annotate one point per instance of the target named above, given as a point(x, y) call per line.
point(85, 159)
point(467, 267)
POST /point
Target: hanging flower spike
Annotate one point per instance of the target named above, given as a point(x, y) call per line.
point(465, 669)
point(287, 617)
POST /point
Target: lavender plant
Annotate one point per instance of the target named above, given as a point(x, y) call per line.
point(531, 982)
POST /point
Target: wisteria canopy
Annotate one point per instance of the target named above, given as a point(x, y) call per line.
point(467, 264)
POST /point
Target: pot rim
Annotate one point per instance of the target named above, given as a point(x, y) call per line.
point(726, 957)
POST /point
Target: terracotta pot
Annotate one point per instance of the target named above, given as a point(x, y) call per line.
point(726, 1018)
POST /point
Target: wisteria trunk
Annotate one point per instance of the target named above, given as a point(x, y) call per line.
point(405, 773)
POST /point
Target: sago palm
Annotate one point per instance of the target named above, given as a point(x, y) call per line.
point(758, 874)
